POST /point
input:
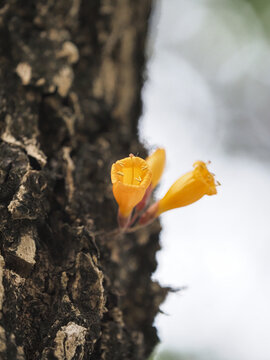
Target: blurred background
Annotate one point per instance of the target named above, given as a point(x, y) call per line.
point(207, 97)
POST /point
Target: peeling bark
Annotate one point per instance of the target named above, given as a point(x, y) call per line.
point(71, 73)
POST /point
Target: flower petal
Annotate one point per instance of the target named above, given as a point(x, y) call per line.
point(130, 178)
point(156, 163)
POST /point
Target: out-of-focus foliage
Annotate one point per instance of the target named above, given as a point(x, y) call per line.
point(262, 8)
point(224, 46)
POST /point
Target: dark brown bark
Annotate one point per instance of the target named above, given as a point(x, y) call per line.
point(71, 73)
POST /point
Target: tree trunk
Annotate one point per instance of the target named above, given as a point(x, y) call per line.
point(71, 73)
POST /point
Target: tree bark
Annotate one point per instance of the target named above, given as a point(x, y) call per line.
point(71, 73)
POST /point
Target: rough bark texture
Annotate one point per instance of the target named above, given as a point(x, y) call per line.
point(71, 73)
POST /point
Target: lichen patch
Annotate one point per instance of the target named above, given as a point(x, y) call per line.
point(68, 340)
point(69, 51)
point(27, 249)
point(24, 71)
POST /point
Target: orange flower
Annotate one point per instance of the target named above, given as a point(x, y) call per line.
point(185, 191)
point(189, 188)
point(156, 163)
point(130, 178)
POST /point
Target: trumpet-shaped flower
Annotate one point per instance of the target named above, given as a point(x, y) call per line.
point(185, 191)
point(130, 178)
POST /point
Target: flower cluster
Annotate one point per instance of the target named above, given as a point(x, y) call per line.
point(134, 179)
